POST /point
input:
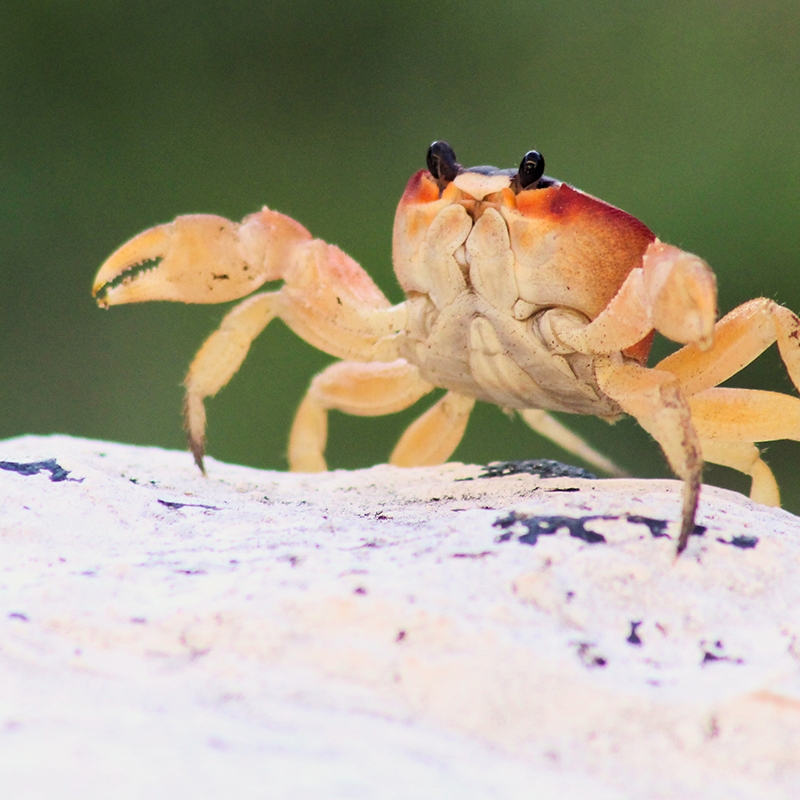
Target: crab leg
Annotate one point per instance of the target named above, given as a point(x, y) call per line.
point(744, 457)
point(367, 390)
point(218, 360)
point(326, 298)
point(433, 438)
point(739, 338)
point(655, 399)
point(729, 421)
point(548, 426)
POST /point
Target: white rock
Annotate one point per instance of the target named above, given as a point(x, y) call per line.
point(377, 634)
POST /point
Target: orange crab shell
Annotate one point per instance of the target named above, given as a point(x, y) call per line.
point(570, 249)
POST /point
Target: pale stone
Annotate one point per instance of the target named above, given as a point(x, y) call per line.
point(384, 633)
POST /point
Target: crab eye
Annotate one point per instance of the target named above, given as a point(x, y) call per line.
point(531, 168)
point(442, 162)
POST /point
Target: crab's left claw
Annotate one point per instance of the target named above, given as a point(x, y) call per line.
point(199, 258)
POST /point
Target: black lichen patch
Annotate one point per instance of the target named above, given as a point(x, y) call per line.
point(745, 542)
point(173, 506)
point(658, 527)
point(716, 652)
point(543, 467)
point(57, 472)
point(548, 525)
point(634, 637)
point(711, 657)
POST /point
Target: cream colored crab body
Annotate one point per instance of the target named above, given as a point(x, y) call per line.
point(521, 291)
point(469, 330)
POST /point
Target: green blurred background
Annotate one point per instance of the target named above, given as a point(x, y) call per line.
point(116, 116)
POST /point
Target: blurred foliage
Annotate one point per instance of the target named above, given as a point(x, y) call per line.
point(115, 116)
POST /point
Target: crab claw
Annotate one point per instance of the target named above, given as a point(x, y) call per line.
point(683, 292)
point(199, 258)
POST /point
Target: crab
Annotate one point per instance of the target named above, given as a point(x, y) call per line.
point(521, 291)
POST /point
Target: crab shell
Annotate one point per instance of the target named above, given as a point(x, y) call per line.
point(479, 271)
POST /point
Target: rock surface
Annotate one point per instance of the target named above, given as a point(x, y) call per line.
point(386, 633)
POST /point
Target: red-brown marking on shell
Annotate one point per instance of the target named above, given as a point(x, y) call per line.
point(591, 247)
point(421, 188)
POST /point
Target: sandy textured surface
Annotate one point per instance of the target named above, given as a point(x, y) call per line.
point(386, 633)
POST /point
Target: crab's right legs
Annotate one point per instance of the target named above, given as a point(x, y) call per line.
point(738, 338)
point(729, 421)
point(744, 457)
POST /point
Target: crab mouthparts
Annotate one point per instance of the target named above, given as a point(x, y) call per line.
point(479, 185)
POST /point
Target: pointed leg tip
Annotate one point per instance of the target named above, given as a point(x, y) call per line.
point(198, 451)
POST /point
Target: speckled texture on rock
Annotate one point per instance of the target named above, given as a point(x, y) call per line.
point(387, 633)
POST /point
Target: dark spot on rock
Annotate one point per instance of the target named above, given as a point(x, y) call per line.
point(710, 657)
point(589, 657)
point(18, 615)
point(634, 637)
point(543, 467)
point(359, 590)
point(474, 555)
point(173, 506)
point(190, 571)
point(548, 525)
point(745, 542)
point(222, 277)
point(400, 636)
point(658, 527)
point(57, 472)
point(138, 620)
